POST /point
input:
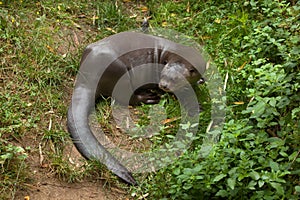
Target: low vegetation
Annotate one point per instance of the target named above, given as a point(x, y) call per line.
point(255, 46)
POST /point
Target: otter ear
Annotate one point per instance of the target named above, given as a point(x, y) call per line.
point(201, 81)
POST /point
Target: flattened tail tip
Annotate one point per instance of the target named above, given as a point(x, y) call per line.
point(127, 177)
point(120, 170)
point(132, 182)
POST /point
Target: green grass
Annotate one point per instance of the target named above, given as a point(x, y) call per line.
point(40, 49)
point(255, 43)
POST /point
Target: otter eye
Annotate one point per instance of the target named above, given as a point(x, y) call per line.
point(165, 62)
point(192, 71)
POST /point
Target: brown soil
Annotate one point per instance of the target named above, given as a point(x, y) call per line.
point(46, 185)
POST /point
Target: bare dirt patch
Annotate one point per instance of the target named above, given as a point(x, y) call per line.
point(46, 185)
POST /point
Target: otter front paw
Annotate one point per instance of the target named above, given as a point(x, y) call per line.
point(148, 98)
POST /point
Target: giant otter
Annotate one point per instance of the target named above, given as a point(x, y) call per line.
point(118, 58)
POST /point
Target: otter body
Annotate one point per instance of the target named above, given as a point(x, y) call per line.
point(135, 64)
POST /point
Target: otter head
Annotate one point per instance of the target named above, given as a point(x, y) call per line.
point(177, 73)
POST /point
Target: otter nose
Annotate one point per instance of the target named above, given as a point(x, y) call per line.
point(163, 86)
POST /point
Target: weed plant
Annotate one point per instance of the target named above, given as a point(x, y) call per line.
point(254, 44)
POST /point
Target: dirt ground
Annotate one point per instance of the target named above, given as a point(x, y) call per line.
point(44, 185)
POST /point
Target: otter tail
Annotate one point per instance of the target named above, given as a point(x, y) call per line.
point(84, 139)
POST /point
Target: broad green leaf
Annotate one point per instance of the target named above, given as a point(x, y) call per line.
point(252, 185)
point(222, 193)
point(297, 188)
point(231, 183)
point(261, 183)
point(278, 187)
point(187, 186)
point(295, 113)
point(275, 142)
point(176, 171)
point(189, 135)
point(254, 175)
point(274, 166)
point(258, 109)
point(219, 177)
point(293, 155)
point(272, 102)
